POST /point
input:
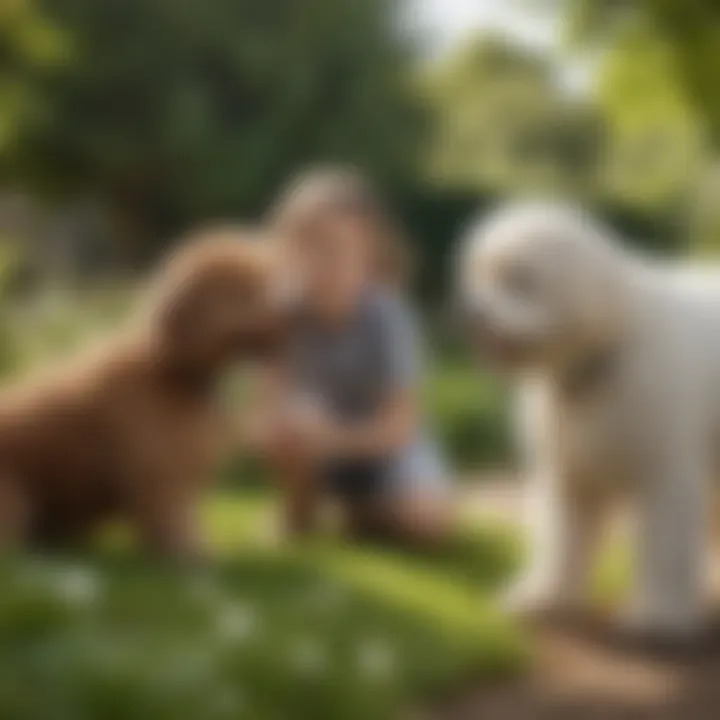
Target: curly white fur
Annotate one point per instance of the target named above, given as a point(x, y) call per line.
point(645, 427)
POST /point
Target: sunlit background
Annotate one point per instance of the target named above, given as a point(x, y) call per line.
point(125, 122)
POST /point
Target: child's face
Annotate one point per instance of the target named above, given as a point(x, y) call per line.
point(334, 260)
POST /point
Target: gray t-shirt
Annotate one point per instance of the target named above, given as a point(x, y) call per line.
point(354, 368)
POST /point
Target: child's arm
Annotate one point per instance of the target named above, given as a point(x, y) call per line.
point(391, 428)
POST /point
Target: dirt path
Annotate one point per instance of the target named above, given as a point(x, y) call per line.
point(588, 671)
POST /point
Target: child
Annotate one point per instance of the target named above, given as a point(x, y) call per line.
point(350, 424)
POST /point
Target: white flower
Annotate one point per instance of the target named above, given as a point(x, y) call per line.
point(77, 585)
point(376, 658)
point(308, 656)
point(236, 622)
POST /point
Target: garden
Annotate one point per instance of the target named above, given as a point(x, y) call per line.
point(266, 629)
point(125, 123)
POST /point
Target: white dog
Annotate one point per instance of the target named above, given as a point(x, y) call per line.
point(618, 360)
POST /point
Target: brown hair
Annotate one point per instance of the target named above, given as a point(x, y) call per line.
point(345, 190)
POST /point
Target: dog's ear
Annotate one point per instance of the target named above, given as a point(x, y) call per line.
point(180, 317)
point(222, 299)
point(186, 298)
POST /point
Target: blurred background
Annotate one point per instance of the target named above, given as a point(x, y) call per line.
point(125, 122)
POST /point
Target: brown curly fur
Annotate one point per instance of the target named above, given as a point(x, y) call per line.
point(131, 430)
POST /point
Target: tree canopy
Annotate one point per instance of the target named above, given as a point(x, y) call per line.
point(687, 30)
point(176, 110)
point(503, 121)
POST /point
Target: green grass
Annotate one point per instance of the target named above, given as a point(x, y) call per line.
point(317, 630)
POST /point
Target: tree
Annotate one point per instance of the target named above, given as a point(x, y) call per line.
point(176, 110)
point(688, 31)
point(659, 88)
point(503, 121)
point(657, 146)
point(28, 44)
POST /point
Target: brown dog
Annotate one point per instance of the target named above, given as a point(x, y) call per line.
point(131, 431)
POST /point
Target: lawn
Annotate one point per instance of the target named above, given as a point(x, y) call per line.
point(268, 631)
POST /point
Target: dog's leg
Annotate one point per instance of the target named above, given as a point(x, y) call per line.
point(14, 514)
point(565, 525)
point(674, 517)
point(169, 526)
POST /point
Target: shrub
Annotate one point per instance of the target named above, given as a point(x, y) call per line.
point(469, 411)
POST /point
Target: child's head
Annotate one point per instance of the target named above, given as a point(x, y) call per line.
point(340, 236)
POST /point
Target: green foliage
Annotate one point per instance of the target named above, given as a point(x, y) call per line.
point(168, 113)
point(179, 111)
point(435, 218)
point(658, 89)
point(704, 214)
point(688, 30)
point(312, 632)
point(29, 43)
point(470, 412)
point(658, 147)
point(503, 121)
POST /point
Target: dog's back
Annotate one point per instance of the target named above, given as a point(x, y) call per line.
point(130, 429)
point(59, 438)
